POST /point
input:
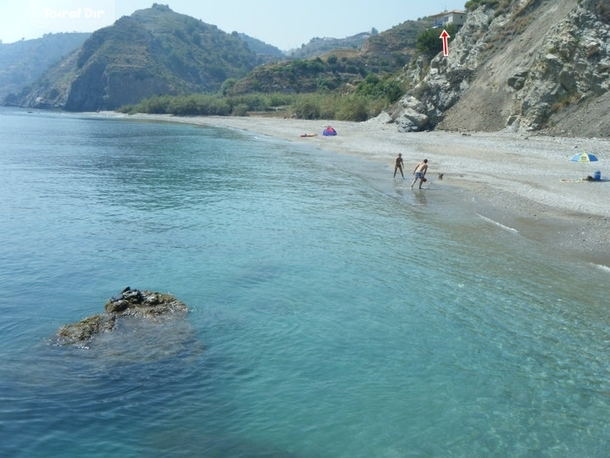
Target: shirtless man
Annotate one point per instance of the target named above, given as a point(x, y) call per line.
point(420, 172)
point(398, 166)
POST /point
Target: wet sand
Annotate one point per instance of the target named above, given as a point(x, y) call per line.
point(525, 182)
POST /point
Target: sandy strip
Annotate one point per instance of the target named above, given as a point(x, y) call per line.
point(524, 182)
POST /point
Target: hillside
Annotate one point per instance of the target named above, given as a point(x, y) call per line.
point(319, 46)
point(153, 51)
point(340, 69)
point(23, 62)
point(521, 65)
point(265, 52)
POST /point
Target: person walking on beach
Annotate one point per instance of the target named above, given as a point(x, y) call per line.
point(420, 172)
point(398, 166)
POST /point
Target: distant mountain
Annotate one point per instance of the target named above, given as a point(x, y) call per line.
point(23, 62)
point(319, 46)
point(152, 52)
point(265, 52)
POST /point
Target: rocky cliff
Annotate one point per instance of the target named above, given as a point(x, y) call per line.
point(523, 65)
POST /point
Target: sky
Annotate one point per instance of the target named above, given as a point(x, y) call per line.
point(286, 24)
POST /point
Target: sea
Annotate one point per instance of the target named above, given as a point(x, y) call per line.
point(334, 312)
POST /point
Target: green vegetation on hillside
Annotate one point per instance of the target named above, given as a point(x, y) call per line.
point(473, 4)
point(401, 38)
point(303, 76)
point(192, 50)
point(500, 5)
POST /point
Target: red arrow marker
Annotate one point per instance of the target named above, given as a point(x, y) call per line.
point(445, 36)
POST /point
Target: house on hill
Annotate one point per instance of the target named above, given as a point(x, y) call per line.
point(456, 17)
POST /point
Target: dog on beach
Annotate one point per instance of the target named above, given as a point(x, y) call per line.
point(440, 176)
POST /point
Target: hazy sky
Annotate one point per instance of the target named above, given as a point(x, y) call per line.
point(286, 24)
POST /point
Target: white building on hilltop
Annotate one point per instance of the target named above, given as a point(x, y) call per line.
point(455, 17)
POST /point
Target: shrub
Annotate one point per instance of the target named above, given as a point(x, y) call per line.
point(306, 109)
point(240, 110)
point(353, 109)
point(374, 88)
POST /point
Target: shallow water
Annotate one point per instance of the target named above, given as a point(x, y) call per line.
point(334, 312)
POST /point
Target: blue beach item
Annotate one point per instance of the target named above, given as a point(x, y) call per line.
point(329, 132)
point(584, 157)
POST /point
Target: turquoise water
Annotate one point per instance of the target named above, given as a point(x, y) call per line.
point(334, 312)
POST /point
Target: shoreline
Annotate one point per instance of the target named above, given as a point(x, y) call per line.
point(523, 182)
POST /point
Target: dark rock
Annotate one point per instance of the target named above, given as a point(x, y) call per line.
point(138, 303)
point(517, 81)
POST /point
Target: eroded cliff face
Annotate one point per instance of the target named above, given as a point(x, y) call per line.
point(108, 87)
point(572, 69)
point(523, 68)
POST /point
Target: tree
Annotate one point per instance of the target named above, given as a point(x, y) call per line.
point(429, 42)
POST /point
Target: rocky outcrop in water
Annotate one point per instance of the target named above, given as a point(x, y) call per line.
point(143, 305)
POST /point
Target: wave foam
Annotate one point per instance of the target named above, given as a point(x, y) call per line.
point(496, 223)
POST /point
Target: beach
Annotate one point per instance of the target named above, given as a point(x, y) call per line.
point(524, 182)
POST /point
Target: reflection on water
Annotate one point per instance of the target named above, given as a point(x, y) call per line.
point(419, 197)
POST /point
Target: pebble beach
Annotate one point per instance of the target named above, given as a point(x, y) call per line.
point(524, 182)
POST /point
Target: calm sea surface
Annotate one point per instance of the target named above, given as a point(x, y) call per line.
point(334, 313)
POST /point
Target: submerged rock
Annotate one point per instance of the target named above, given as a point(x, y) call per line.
point(144, 305)
point(85, 329)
